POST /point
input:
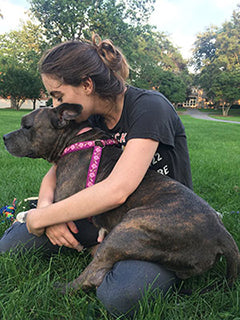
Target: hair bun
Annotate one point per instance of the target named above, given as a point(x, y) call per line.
point(111, 56)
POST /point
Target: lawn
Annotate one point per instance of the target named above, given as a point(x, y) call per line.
point(26, 281)
point(233, 115)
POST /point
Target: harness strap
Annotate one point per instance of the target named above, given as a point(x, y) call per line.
point(93, 166)
point(97, 146)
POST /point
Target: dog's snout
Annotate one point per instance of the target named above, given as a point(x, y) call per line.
point(6, 137)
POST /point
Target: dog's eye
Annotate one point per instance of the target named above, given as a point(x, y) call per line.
point(25, 126)
point(26, 122)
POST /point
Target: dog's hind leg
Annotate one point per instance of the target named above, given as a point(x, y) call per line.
point(122, 243)
point(232, 255)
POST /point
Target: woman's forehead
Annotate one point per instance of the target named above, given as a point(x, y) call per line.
point(51, 84)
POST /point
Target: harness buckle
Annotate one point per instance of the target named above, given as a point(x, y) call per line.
point(99, 143)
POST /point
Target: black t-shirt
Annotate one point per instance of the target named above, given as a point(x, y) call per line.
point(148, 114)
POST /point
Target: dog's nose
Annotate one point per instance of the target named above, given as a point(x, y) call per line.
point(5, 137)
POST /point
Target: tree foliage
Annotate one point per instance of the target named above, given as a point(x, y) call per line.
point(65, 20)
point(226, 88)
point(124, 22)
point(19, 55)
point(23, 47)
point(217, 59)
point(155, 62)
point(19, 85)
point(172, 86)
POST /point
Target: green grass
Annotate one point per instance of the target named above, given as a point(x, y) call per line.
point(233, 115)
point(214, 153)
point(229, 118)
point(26, 281)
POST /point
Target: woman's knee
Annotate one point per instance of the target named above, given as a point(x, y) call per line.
point(17, 237)
point(125, 285)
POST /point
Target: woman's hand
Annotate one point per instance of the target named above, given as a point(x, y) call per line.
point(30, 219)
point(60, 235)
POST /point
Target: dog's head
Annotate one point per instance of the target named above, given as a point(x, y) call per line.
point(42, 131)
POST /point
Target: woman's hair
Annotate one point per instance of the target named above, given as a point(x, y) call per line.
point(74, 61)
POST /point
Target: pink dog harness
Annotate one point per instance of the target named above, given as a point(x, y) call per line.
point(97, 146)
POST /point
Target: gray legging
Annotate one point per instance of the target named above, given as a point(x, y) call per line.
point(123, 286)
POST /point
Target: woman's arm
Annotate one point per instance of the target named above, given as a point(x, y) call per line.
point(103, 196)
point(48, 185)
point(58, 234)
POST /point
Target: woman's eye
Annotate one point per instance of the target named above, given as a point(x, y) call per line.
point(59, 99)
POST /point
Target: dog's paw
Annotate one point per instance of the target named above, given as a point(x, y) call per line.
point(68, 288)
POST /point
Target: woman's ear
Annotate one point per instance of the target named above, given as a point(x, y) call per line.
point(88, 86)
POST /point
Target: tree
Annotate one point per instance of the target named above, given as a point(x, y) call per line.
point(124, 22)
point(205, 48)
point(18, 84)
point(217, 59)
point(160, 66)
point(20, 52)
point(226, 87)
point(65, 19)
point(168, 83)
point(172, 86)
point(24, 47)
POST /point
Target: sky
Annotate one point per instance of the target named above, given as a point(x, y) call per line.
point(181, 20)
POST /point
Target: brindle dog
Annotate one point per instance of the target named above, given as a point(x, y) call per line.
point(162, 221)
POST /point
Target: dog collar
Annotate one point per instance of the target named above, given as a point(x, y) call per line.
point(97, 146)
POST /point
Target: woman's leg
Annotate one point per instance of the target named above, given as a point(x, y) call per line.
point(17, 237)
point(126, 283)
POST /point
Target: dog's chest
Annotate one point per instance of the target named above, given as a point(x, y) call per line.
point(71, 176)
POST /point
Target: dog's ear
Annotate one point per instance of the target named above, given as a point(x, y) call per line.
point(64, 113)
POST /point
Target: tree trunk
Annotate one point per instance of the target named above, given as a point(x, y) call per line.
point(13, 103)
point(34, 104)
point(20, 103)
point(225, 109)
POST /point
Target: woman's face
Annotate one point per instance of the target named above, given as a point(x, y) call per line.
point(63, 93)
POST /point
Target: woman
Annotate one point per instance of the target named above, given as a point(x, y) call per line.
point(145, 123)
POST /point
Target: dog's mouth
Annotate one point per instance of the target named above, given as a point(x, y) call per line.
point(31, 155)
point(16, 151)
